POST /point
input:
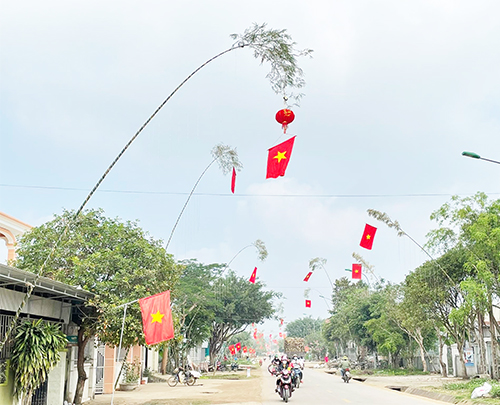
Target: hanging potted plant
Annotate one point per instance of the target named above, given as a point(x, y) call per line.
point(36, 351)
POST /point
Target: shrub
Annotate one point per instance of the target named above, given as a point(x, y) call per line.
point(132, 371)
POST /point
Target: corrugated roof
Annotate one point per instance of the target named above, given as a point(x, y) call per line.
point(19, 280)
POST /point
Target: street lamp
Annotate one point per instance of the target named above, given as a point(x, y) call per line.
point(476, 156)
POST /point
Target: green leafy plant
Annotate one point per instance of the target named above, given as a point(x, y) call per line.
point(35, 352)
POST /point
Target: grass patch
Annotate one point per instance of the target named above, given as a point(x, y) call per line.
point(463, 390)
point(389, 372)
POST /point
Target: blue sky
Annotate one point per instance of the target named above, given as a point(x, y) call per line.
point(395, 92)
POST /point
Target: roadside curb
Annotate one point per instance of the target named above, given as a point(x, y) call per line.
point(429, 394)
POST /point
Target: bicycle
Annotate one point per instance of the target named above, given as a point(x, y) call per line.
point(189, 379)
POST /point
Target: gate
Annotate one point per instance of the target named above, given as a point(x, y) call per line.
point(40, 395)
point(99, 370)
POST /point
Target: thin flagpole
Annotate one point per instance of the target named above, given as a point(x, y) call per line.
point(120, 345)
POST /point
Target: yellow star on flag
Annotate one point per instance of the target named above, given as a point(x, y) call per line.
point(157, 317)
point(368, 236)
point(280, 156)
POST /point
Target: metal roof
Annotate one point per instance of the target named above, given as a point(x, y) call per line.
point(19, 280)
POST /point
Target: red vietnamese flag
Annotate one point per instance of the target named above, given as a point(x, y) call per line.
point(238, 346)
point(233, 180)
point(253, 276)
point(231, 349)
point(368, 236)
point(278, 159)
point(308, 303)
point(255, 335)
point(244, 349)
point(356, 271)
point(308, 276)
point(157, 318)
point(281, 321)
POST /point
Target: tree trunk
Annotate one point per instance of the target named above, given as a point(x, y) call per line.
point(420, 341)
point(494, 345)
point(460, 347)
point(444, 373)
point(482, 369)
point(80, 366)
point(164, 360)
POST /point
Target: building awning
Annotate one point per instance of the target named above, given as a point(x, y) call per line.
point(19, 280)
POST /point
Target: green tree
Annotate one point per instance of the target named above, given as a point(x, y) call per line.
point(350, 312)
point(473, 225)
point(35, 352)
point(390, 339)
point(117, 261)
point(435, 288)
point(193, 298)
point(238, 303)
point(303, 326)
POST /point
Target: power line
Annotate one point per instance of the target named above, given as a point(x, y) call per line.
point(146, 192)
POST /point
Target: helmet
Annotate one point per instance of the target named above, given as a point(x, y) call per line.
point(284, 358)
point(276, 356)
point(345, 358)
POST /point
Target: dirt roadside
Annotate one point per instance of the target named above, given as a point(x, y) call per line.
point(205, 392)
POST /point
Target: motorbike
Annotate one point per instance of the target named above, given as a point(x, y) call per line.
point(285, 385)
point(347, 375)
point(182, 376)
point(234, 366)
point(296, 376)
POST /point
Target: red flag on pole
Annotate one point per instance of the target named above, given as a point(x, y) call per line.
point(308, 303)
point(244, 349)
point(308, 276)
point(281, 321)
point(278, 158)
point(368, 236)
point(157, 318)
point(356, 271)
point(232, 349)
point(233, 180)
point(238, 346)
point(253, 276)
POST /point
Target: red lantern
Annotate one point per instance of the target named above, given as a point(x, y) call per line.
point(285, 117)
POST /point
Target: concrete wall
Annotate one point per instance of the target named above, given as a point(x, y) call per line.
point(55, 381)
point(6, 390)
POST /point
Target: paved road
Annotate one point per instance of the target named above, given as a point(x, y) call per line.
point(321, 388)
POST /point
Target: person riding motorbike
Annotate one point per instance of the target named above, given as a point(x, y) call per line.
point(284, 365)
point(295, 364)
point(344, 364)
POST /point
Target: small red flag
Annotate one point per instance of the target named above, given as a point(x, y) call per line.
point(231, 349)
point(308, 276)
point(255, 335)
point(233, 180)
point(278, 158)
point(281, 334)
point(238, 346)
point(157, 321)
point(281, 321)
point(253, 276)
point(356, 271)
point(308, 303)
point(244, 349)
point(368, 236)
